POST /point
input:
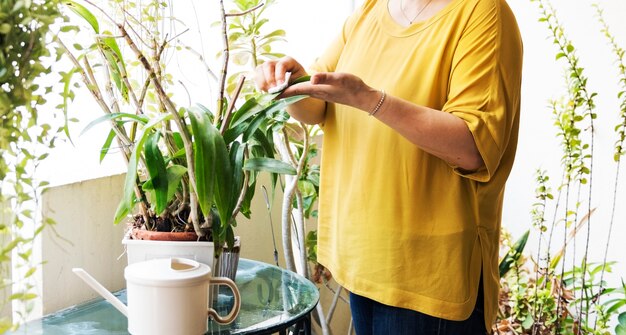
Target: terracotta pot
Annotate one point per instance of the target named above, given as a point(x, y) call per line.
point(142, 234)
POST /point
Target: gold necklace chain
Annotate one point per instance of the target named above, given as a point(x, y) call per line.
point(416, 15)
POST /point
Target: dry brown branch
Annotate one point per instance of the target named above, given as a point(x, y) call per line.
point(223, 73)
point(184, 132)
point(231, 105)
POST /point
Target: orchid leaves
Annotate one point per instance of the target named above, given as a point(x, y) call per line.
point(219, 161)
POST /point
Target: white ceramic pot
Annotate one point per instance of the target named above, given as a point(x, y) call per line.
point(143, 250)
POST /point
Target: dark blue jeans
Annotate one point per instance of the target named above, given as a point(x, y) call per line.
point(373, 318)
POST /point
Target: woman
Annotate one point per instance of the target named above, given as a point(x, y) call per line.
point(419, 102)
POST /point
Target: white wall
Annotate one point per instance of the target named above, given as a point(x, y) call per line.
point(84, 236)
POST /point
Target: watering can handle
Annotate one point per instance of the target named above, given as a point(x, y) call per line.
point(236, 306)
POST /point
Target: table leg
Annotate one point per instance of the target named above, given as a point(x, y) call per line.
point(307, 325)
point(302, 326)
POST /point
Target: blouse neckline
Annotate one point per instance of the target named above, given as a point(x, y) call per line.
point(393, 28)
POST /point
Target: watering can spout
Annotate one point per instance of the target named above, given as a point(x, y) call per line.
point(101, 290)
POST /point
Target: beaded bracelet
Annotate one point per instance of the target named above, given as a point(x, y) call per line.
point(380, 103)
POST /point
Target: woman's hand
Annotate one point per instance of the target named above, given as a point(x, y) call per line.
point(341, 88)
point(272, 73)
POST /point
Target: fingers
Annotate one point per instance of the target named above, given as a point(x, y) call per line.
point(299, 89)
point(343, 88)
point(269, 74)
point(320, 86)
point(319, 78)
point(272, 73)
point(280, 69)
point(264, 76)
point(329, 78)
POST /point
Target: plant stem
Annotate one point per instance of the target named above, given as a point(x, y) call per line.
point(300, 202)
point(231, 105)
point(619, 145)
point(223, 73)
point(244, 188)
point(286, 209)
point(124, 142)
point(184, 132)
point(575, 168)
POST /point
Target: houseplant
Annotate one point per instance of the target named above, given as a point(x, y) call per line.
point(190, 169)
point(27, 132)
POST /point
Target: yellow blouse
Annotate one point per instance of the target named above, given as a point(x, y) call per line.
point(397, 224)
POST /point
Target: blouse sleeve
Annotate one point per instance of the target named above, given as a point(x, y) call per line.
point(484, 84)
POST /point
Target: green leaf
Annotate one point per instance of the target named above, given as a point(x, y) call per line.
point(248, 109)
point(555, 260)
point(269, 165)
point(23, 296)
point(85, 14)
point(178, 140)
point(300, 80)
point(107, 145)
point(622, 319)
point(513, 255)
point(265, 143)
point(230, 236)
point(275, 33)
point(128, 198)
point(204, 159)
point(114, 58)
point(528, 322)
point(67, 94)
point(236, 159)
point(614, 305)
point(254, 125)
point(126, 205)
point(5, 28)
point(174, 175)
point(233, 133)
point(30, 272)
point(272, 108)
point(115, 116)
point(224, 197)
point(155, 164)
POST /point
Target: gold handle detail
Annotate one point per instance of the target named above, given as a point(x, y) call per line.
point(237, 305)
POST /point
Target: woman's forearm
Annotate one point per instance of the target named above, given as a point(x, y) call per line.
point(439, 133)
point(436, 132)
point(309, 110)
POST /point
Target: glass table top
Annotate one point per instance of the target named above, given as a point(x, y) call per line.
point(271, 298)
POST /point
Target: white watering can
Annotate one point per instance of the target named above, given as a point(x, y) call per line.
point(167, 296)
